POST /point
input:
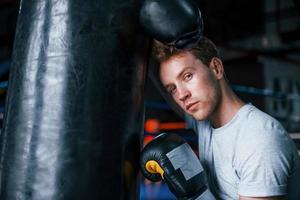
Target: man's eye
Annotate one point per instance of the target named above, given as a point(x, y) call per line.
point(172, 90)
point(187, 76)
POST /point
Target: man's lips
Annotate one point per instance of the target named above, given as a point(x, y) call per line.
point(190, 105)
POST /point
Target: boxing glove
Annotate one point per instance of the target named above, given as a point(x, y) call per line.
point(168, 157)
point(177, 23)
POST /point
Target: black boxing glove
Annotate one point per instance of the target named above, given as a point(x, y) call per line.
point(177, 23)
point(168, 157)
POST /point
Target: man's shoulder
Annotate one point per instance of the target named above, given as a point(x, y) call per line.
point(260, 131)
point(258, 116)
point(257, 123)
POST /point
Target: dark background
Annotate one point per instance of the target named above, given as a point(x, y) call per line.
point(259, 41)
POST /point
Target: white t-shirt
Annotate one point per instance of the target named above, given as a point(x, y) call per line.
point(252, 155)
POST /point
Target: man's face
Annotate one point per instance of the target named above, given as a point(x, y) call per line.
point(193, 86)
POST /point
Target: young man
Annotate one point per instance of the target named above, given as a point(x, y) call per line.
point(246, 153)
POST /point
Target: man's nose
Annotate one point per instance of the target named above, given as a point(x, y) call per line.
point(183, 94)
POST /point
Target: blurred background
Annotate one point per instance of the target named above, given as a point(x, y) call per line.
point(259, 41)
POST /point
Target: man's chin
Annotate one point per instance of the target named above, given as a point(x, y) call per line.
point(199, 116)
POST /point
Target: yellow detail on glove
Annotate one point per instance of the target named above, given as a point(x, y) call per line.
point(153, 167)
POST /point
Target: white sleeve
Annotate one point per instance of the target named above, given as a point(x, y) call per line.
point(264, 165)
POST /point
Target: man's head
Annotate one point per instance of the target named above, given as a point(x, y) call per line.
point(203, 50)
point(192, 77)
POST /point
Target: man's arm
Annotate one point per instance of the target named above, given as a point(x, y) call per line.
point(168, 157)
point(262, 198)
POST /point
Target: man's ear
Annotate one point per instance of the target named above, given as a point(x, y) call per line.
point(216, 65)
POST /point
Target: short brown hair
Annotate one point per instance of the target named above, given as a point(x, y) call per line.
point(204, 50)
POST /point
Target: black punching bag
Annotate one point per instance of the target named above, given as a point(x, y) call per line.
point(74, 110)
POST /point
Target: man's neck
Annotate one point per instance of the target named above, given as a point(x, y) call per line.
point(227, 108)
